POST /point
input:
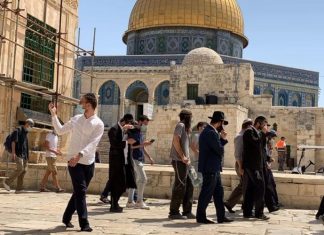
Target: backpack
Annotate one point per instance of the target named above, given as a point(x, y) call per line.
point(9, 140)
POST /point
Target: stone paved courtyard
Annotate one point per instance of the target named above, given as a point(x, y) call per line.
point(40, 213)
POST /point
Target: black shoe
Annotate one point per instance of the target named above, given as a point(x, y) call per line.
point(116, 209)
point(224, 220)
point(86, 229)
point(317, 216)
point(194, 202)
point(104, 200)
point(247, 216)
point(177, 217)
point(205, 221)
point(189, 215)
point(275, 208)
point(230, 210)
point(262, 217)
point(68, 225)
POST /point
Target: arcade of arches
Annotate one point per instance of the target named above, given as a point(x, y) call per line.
point(116, 99)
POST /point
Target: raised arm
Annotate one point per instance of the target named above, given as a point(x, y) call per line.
point(60, 130)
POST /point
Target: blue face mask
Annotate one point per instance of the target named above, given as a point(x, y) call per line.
point(79, 109)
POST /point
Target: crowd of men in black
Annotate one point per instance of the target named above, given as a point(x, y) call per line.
point(257, 184)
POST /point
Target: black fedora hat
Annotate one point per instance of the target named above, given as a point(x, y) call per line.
point(218, 116)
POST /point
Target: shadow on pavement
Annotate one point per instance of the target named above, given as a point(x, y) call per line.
point(182, 225)
point(152, 220)
point(57, 229)
point(319, 221)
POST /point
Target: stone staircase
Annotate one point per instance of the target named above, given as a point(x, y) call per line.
point(103, 147)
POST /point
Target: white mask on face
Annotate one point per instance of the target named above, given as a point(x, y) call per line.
point(143, 128)
point(28, 129)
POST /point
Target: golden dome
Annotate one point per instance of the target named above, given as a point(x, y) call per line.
point(213, 14)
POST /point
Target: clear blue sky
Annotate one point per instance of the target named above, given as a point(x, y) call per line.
point(284, 32)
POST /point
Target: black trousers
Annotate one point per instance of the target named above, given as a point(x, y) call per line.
point(115, 196)
point(106, 190)
point(321, 208)
point(182, 192)
point(81, 176)
point(253, 192)
point(271, 196)
point(211, 187)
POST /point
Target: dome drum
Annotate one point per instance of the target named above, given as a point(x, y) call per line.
point(179, 40)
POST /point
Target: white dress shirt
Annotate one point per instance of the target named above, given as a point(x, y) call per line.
point(86, 134)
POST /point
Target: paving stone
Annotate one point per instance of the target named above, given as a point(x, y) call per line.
point(41, 213)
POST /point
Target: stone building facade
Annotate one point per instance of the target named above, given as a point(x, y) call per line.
point(28, 80)
point(232, 83)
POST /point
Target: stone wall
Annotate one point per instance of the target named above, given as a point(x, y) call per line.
point(165, 119)
point(229, 83)
point(14, 69)
point(295, 191)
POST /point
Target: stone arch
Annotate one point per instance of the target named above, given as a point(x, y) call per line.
point(109, 93)
point(257, 90)
point(162, 93)
point(137, 92)
point(296, 100)
point(137, 95)
point(282, 98)
point(109, 102)
point(309, 100)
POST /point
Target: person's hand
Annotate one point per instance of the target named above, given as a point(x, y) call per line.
point(223, 134)
point(128, 127)
point(265, 129)
point(74, 161)
point(151, 161)
point(147, 143)
point(14, 156)
point(186, 160)
point(52, 109)
point(241, 171)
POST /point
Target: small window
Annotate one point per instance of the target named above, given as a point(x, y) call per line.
point(192, 91)
point(39, 53)
point(34, 103)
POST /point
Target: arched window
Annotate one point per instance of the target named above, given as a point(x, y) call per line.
point(282, 98)
point(257, 90)
point(296, 100)
point(162, 93)
point(109, 94)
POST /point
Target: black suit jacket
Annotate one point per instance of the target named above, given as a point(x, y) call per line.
point(121, 176)
point(253, 149)
point(211, 151)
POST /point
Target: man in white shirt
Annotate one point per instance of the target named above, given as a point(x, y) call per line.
point(52, 151)
point(86, 131)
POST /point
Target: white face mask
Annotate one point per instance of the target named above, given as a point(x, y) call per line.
point(143, 128)
point(29, 129)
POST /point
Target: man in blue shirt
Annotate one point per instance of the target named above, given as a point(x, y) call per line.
point(136, 139)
